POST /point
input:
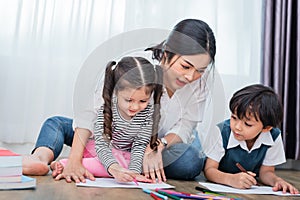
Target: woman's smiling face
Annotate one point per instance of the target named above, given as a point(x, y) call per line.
point(181, 70)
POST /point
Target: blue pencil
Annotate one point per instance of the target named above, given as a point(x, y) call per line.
point(157, 194)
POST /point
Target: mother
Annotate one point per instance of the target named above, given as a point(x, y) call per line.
point(184, 55)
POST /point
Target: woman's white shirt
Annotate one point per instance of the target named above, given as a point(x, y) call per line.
point(181, 113)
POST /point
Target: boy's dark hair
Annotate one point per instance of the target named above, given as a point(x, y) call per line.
point(260, 101)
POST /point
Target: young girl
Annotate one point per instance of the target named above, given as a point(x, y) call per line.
point(249, 144)
point(125, 122)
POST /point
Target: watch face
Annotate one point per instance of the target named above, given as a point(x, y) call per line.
point(164, 141)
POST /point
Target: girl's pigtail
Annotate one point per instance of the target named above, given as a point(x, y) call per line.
point(108, 88)
point(158, 90)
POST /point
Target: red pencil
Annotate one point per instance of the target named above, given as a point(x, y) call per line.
point(154, 196)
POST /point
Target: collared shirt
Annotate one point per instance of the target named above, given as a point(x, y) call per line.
point(181, 113)
point(275, 155)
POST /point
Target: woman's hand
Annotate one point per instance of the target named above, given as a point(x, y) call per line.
point(153, 164)
point(75, 171)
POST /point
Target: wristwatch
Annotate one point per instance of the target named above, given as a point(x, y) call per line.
point(164, 142)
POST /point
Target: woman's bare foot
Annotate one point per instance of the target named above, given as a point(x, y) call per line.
point(34, 166)
point(57, 168)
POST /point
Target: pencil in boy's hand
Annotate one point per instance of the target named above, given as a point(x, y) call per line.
point(241, 168)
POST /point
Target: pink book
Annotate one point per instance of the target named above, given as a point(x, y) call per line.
point(6, 152)
point(10, 163)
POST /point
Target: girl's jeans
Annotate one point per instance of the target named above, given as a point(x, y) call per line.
point(181, 161)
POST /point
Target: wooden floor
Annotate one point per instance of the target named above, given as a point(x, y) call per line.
point(48, 189)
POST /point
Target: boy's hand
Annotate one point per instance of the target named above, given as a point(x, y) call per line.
point(243, 180)
point(280, 184)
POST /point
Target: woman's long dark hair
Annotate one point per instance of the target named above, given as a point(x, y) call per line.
point(132, 72)
point(188, 37)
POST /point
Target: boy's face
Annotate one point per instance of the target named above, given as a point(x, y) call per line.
point(131, 101)
point(247, 128)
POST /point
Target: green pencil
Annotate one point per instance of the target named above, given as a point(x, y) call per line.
point(169, 195)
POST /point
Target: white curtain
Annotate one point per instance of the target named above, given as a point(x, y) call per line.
point(43, 44)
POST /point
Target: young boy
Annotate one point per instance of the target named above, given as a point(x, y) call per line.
point(248, 143)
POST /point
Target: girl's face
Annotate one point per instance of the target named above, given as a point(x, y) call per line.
point(246, 129)
point(131, 101)
point(181, 70)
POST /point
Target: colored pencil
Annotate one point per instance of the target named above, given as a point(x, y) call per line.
point(185, 195)
point(156, 194)
point(169, 195)
point(135, 181)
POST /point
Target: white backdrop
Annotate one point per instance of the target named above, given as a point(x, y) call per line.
point(43, 44)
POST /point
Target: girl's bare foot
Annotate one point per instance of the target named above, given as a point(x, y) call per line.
point(34, 166)
point(57, 168)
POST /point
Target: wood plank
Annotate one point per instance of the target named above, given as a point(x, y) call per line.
point(48, 189)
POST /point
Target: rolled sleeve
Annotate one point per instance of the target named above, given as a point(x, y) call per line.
point(275, 155)
point(213, 146)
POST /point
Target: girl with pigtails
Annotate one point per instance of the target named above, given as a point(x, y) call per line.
point(125, 123)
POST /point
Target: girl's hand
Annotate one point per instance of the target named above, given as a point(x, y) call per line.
point(153, 164)
point(243, 180)
point(123, 175)
point(75, 171)
point(280, 184)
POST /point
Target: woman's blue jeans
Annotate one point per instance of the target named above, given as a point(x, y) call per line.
point(55, 132)
point(184, 161)
point(181, 161)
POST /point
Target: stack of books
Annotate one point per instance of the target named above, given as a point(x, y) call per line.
point(11, 172)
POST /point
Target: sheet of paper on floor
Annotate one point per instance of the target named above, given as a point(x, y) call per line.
point(110, 182)
point(252, 190)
